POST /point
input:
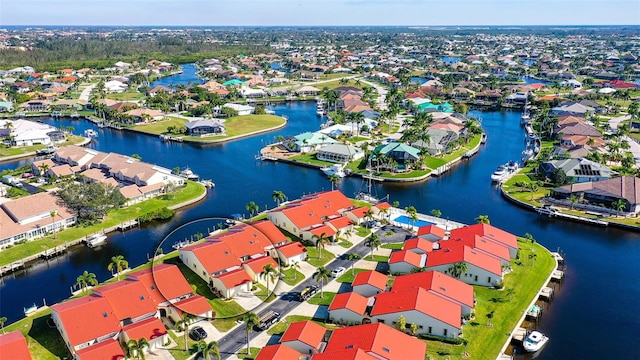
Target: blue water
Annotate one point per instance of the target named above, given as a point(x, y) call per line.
point(418, 80)
point(450, 59)
point(403, 219)
point(187, 77)
point(599, 296)
point(531, 80)
point(528, 62)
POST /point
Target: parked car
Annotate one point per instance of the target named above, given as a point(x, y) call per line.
point(338, 271)
point(198, 333)
point(27, 175)
point(308, 292)
point(268, 319)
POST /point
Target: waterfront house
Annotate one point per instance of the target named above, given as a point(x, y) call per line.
point(290, 253)
point(308, 142)
point(431, 233)
point(403, 261)
point(488, 232)
point(441, 140)
point(403, 154)
point(348, 308)
point(577, 170)
point(27, 133)
point(278, 352)
point(6, 106)
point(369, 283)
point(241, 109)
point(204, 127)
point(493, 249)
point(605, 193)
point(439, 284)
point(482, 269)
point(14, 344)
point(307, 90)
point(29, 217)
point(306, 337)
point(432, 314)
point(339, 153)
point(419, 245)
point(145, 115)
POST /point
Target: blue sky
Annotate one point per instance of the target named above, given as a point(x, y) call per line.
point(319, 12)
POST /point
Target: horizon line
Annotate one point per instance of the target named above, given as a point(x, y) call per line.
point(326, 25)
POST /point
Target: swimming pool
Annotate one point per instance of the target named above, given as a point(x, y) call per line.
point(404, 219)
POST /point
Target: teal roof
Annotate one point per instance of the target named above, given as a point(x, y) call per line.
point(444, 107)
point(234, 82)
point(313, 138)
point(6, 104)
point(397, 147)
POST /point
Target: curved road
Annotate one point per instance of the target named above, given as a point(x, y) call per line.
point(233, 341)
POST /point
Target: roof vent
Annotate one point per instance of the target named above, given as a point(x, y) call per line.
point(443, 288)
point(386, 349)
point(350, 346)
point(105, 314)
point(153, 287)
point(141, 297)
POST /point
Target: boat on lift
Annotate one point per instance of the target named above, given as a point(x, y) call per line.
point(336, 169)
point(534, 341)
point(188, 174)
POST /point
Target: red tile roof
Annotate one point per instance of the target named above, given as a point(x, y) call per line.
point(234, 278)
point(149, 329)
point(245, 240)
point(379, 339)
point(87, 318)
point(306, 332)
point(431, 229)
point(347, 354)
point(487, 231)
point(360, 212)
point(420, 300)
point(271, 231)
point(464, 254)
point(383, 205)
point(15, 345)
point(278, 352)
point(322, 230)
point(478, 242)
point(292, 249)
point(340, 222)
point(350, 300)
point(194, 305)
point(436, 282)
point(406, 256)
point(418, 243)
point(214, 255)
point(257, 265)
point(128, 299)
point(371, 277)
point(163, 282)
point(312, 209)
point(106, 350)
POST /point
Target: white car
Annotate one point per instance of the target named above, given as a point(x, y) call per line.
point(338, 271)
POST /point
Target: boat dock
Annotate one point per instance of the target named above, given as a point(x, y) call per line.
point(557, 275)
point(546, 293)
point(43, 255)
point(127, 224)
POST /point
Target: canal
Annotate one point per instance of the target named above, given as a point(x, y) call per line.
point(597, 298)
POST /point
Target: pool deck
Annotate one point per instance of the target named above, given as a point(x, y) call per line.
point(440, 222)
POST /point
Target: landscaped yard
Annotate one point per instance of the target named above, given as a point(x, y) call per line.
point(125, 96)
point(114, 217)
point(324, 298)
point(280, 327)
point(347, 277)
point(43, 341)
point(309, 158)
point(21, 150)
point(262, 292)
point(159, 127)
point(313, 259)
point(291, 276)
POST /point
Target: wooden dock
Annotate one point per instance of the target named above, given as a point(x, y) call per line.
point(519, 334)
point(127, 225)
point(546, 294)
point(557, 275)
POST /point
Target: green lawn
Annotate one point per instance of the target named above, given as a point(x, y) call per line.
point(345, 243)
point(125, 96)
point(377, 258)
point(362, 232)
point(322, 299)
point(394, 246)
point(190, 191)
point(262, 293)
point(291, 276)
point(313, 259)
point(15, 151)
point(347, 277)
point(310, 158)
point(242, 353)
point(43, 341)
point(178, 352)
point(159, 127)
point(526, 279)
point(281, 327)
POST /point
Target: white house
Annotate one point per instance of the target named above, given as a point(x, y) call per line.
point(482, 269)
point(402, 262)
point(369, 283)
point(241, 109)
point(348, 308)
point(306, 337)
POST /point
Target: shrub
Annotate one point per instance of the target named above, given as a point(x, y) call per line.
point(443, 339)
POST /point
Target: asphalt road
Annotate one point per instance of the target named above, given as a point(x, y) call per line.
point(236, 339)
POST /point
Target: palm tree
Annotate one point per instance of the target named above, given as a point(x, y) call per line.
point(53, 214)
point(43, 168)
point(335, 179)
point(135, 349)
point(353, 257)
point(413, 213)
point(250, 319)
point(437, 213)
point(269, 273)
point(86, 279)
point(322, 275)
point(619, 205)
point(458, 269)
point(295, 266)
point(483, 219)
point(2, 321)
point(320, 242)
point(530, 238)
point(183, 324)
point(118, 263)
point(573, 199)
point(278, 197)
point(252, 207)
point(209, 350)
point(373, 242)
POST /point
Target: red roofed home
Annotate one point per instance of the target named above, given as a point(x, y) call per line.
point(15, 345)
point(255, 266)
point(358, 215)
point(106, 350)
point(419, 245)
point(490, 233)
point(291, 252)
point(348, 308)
point(342, 224)
point(232, 283)
point(433, 314)
point(369, 283)
point(477, 242)
point(431, 233)
point(304, 336)
point(347, 354)
point(379, 340)
point(151, 329)
point(171, 291)
point(85, 322)
point(278, 352)
point(271, 232)
point(381, 210)
point(129, 300)
point(482, 269)
point(439, 284)
point(404, 261)
point(306, 217)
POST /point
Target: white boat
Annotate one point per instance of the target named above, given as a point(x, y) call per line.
point(188, 174)
point(534, 341)
point(336, 169)
point(512, 166)
point(180, 244)
point(47, 151)
point(499, 173)
point(96, 239)
point(31, 309)
point(547, 210)
point(90, 133)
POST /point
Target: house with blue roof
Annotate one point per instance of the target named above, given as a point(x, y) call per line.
point(6, 106)
point(309, 141)
point(404, 155)
point(431, 107)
